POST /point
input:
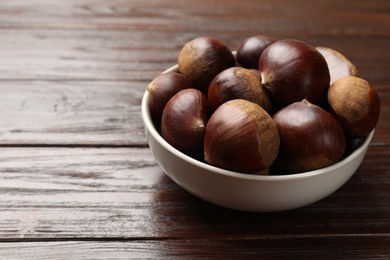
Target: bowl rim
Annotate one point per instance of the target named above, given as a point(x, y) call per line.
point(254, 177)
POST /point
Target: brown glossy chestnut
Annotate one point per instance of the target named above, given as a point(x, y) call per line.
point(162, 88)
point(293, 70)
point(237, 83)
point(184, 120)
point(339, 66)
point(241, 136)
point(250, 49)
point(201, 59)
point(310, 138)
point(356, 104)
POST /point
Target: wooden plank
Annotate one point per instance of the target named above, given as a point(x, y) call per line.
point(99, 113)
point(382, 131)
point(136, 39)
point(72, 74)
point(88, 114)
point(194, 15)
point(58, 55)
point(90, 193)
point(141, 55)
point(71, 113)
point(366, 247)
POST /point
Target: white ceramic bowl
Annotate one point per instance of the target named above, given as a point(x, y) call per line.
point(247, 192)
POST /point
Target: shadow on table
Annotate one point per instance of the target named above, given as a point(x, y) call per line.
point(177, 213)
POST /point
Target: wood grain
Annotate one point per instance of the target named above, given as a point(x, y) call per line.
point(85, 193)
point(365, 247)
point(68, 86)
point(97, 113)
point(141, 55)
point(71, 113)
point(77, 180)
point(137, 39)
point(194, 15)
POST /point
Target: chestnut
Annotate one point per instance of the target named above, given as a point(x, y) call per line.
point(339, 66)
point(201, 59)
point(237, 83)
point(356, 104)
point(184, 121)
point(241, 136)
point(293, 70)
point(162, 88)
point(250, 49)
point(310, 138)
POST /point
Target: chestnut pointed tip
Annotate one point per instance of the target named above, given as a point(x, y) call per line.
point(307, 102)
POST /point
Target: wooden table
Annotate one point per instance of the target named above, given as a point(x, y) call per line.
point(77, 179)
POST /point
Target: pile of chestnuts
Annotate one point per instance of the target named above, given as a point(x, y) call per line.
point(273, 106)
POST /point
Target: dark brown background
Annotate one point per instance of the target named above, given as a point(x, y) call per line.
point(77, 179)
